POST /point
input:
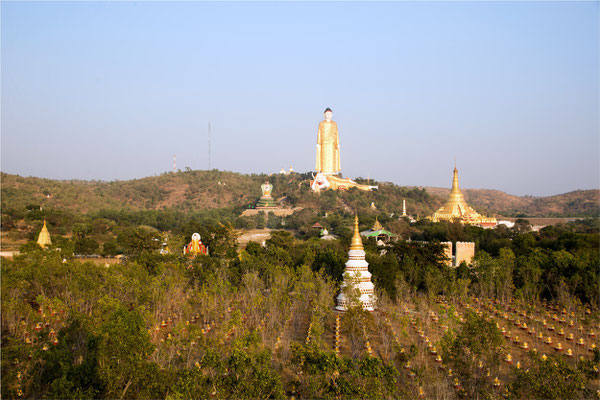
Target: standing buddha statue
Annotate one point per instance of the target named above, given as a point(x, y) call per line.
point(328, 146)
point(328, 159)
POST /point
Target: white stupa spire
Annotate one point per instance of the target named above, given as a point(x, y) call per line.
point(357, 274)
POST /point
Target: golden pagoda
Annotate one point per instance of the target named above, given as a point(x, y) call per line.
point(377, 225)
point(44, 238)
point(456, 208)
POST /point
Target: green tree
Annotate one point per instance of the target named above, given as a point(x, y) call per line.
point(70, 369)
point(476, 340)
point(124, 350)
point(550, 378)
point(86, 245)
point(136, 241)
point(110, 249)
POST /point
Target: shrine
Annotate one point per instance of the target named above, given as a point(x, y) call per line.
point(195, 247)
point(44, 237)
point(357, 277)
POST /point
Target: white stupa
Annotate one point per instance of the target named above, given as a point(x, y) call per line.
point(357, 273)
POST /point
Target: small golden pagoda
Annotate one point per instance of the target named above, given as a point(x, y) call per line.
point(44, 238)
point(377, 225)
point(457, 208)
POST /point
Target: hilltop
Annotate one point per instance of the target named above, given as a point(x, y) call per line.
point(191, 191)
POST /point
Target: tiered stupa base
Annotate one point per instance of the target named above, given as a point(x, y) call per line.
point(266, 202)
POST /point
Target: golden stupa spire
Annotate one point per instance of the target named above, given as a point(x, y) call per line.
point(44, 238)
point(456, 197)
point(455, 187)
point(356, 243)
point(377, 225)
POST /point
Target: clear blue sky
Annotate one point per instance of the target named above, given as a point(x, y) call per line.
point(111, 90)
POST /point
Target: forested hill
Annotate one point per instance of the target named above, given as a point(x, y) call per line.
point(190, 191)
point(200, 190)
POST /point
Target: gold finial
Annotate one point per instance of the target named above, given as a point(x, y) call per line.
point(356, 243)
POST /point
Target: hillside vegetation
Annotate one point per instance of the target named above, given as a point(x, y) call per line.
point(201, 190)
point(192, 191)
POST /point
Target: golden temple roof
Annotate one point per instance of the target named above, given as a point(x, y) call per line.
point(356, 243)
point(44, 237)
point(457, 208)
point(377, 225)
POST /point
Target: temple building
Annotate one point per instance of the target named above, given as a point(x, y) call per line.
point(456, 208)
point(379, 233)
point(356, 276)
point(195, 247)
point(44, 237)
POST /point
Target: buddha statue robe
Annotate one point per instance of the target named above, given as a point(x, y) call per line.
point(266, 188)
point(328, 149)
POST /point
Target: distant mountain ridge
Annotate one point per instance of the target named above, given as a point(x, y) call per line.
point(196, 190)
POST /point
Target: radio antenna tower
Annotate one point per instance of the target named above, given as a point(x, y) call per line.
point(174, 163)
point(209, 145)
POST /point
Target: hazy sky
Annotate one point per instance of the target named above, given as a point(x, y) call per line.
point(111, 90)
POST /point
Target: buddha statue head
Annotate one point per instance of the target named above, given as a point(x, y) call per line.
point(328, 114)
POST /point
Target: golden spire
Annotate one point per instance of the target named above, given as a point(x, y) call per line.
point(44, 238)
point(456, 197)
point(377, 225)
point(455, 187)
point(356, 243)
